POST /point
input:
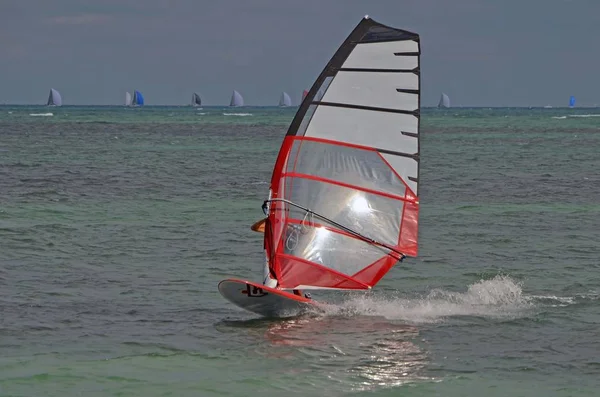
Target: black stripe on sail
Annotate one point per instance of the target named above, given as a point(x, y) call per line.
point(407, 54)
point(410, 178)
point(380, 33)
point(411, 134)
point(407, 91)
point(372, 108)
point(414, 156)
point(377, 70)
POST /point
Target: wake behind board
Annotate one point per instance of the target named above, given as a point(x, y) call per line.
point(263, 300)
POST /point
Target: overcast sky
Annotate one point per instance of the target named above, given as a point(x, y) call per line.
point(480, 52)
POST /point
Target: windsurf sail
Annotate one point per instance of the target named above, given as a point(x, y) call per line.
point(444, 101)
point(236, 99)
point(343, 203)
point(54, 99)
point(285, 100)
point(138, 99)
point(196, 101)
point(572, 101)
point(127, 99)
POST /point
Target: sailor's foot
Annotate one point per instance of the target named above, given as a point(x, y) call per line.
point(270, 282)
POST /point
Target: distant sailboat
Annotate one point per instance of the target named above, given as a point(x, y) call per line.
point(572, 101)
point(138, 99)
point(127, 99)
point(236, 99)
point(304, 94)
point(444, 101)
point(54, 99)
point(285, 100)
point(196, 101)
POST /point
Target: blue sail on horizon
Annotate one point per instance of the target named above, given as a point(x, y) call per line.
point(138, 98)
point(572, 101)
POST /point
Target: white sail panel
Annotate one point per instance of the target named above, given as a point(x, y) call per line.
point(345, 165)
point(405, 166)
point(330, 249)
point(374, 89)
point(375, 129)
point(372, 215)
point(382, 55)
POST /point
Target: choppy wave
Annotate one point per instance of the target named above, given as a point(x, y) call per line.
point(41, 114)
point(575, 115)
point(500, 297)
point(237, 114)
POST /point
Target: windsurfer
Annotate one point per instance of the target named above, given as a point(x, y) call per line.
point(269, 275)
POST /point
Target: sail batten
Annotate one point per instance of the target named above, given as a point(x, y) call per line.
point(343, 205)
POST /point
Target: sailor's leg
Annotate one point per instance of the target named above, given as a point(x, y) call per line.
point(267, 279)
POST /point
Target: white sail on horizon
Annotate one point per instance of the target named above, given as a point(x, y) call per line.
point(54, 99)
point(236, 99)
point(285, 100)
point(444, 101)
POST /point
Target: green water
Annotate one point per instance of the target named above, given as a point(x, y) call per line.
point(117, 224)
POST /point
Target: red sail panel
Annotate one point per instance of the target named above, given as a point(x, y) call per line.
point(350, 186)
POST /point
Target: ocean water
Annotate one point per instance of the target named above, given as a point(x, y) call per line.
point(117, 224)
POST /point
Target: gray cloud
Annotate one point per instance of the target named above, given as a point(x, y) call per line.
point(481, 52)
